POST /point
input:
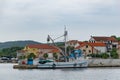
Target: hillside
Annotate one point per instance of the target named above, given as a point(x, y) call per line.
point(17, 43)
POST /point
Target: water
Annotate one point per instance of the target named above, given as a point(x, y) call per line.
point(8, 73)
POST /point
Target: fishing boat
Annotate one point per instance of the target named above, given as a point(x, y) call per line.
point(74, 60)
point(59, 65)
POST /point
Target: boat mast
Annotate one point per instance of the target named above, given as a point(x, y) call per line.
point(65, 40)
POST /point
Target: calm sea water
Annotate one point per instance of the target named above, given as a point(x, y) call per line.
point(8, 73)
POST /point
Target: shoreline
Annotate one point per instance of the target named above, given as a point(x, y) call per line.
point(92, 63)
point(35, 67)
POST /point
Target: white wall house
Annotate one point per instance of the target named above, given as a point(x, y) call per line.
point(73, 43)
point(101, 49)
point(110, 42)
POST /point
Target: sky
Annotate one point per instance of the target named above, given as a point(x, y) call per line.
point(35, 19)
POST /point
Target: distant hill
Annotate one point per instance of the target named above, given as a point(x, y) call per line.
point(59, 44)
point(17, 43)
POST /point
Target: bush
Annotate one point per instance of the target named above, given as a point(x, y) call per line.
point(114, 54)
point(31, 55)
point(55, 55)
point(45, 55)
point(104, 56)
point(21, 57)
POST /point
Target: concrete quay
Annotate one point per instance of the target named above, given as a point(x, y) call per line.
point(104, 63)
point(92, 63)
point(25, 67)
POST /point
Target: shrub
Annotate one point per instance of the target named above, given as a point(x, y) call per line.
point(45, 55)
point(31, 55)
point(55, 55)
point(114, 53)
point(104, 56)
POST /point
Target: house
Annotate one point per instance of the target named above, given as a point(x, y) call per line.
point(118, 44)
point(21, 53)
point(118, 51)
point(90, 48)
point(40, 50)
point(73, 43)
point(111, 42)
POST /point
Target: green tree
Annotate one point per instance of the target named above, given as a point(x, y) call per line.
point(22, 57)
point(118, 38)
point(11, 52)
point(31, 55)
point(114, 53)
point(45, 55)
point(114, 36)
point(55, 55)
point(69, 49)
point(104, 55)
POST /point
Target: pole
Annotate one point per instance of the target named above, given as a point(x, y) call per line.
point(65, 39)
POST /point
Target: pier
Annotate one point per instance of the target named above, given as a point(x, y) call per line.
point(92, 63)
point(104, 63)
point(25, 67)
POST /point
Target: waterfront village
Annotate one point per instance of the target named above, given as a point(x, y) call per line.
point(105, 51)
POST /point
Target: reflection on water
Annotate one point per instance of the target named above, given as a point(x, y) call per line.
point(8, 73)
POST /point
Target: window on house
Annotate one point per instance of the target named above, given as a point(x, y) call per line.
point(89, 51)
point(74, 44)
point(114, 46)
point(111, 41)
point(86, 46)
point(84, 50)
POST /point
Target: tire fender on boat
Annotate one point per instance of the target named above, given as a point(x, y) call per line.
point(75, 64)
point(54, 65)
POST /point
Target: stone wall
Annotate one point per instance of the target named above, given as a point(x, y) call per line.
point(104, 62)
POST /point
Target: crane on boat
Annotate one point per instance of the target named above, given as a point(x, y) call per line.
point(65, 40)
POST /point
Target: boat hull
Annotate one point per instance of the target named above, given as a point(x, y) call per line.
point(60, 65)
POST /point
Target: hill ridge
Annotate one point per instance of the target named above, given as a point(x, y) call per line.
point(19, 43)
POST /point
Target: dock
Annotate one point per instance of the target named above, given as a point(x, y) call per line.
point(92, 63)
point(25, 67)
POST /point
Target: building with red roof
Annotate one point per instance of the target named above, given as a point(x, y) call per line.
point(89, 48)
point(40, 49)
point(111, 42)
point(73, 43)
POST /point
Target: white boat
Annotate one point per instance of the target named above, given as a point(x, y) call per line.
point(78, 62)
point(59, 65)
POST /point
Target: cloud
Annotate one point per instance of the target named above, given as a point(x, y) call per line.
point(21, 17)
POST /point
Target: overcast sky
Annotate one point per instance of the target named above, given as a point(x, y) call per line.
point(35, 19)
